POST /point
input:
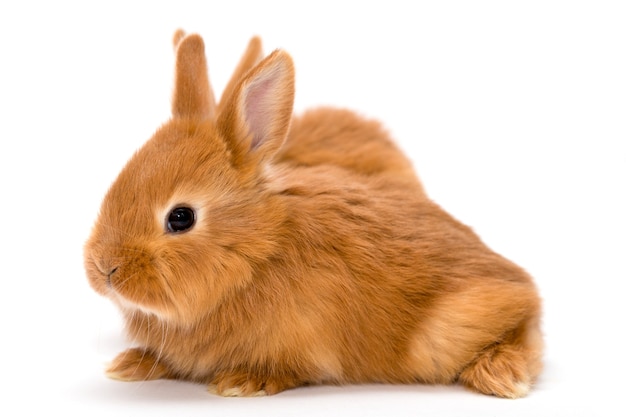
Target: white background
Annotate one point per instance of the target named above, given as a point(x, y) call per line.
point(513, 113)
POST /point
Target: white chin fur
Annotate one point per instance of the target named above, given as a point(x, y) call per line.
point(131, 307)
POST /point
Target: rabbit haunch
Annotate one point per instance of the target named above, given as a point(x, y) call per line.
point(314, 256)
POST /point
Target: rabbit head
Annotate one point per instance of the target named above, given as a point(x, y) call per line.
point(185, 221)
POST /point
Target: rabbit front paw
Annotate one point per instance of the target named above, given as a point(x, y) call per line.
point(242, 384)
point(136, 364)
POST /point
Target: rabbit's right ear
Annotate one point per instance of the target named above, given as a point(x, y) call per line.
point(255, 120)
point(193, 96)
point(252, 56)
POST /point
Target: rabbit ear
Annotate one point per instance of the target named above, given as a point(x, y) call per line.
point(255, 119)
point(193, 96)
point(251, 57)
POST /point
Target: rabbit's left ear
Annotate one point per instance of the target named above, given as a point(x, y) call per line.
point(193, 96)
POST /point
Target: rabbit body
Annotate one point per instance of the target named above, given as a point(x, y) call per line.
point(315, 255)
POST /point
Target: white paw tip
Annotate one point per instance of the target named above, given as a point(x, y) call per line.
point(521, 389)
point(234, 392)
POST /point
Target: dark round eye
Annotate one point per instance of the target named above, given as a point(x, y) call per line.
point(180, 219)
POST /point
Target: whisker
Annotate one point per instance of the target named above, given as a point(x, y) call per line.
point(164, 331)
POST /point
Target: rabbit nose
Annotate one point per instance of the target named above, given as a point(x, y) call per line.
point(105, 268)
point(109, 275)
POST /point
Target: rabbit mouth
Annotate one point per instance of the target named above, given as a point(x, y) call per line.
point(137, 290)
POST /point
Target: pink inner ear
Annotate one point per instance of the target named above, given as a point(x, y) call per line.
point(259, 103)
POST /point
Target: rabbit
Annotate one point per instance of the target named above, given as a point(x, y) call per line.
point(254, 251)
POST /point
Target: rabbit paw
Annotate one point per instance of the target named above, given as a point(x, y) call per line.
point(136, 365)
point(241, 384)
point(499, 372)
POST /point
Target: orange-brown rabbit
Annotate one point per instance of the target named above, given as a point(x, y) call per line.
point(255, 253)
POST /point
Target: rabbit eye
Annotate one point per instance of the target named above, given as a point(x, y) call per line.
point(180, 219)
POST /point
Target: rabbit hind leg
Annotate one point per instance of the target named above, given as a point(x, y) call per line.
point(507, 368)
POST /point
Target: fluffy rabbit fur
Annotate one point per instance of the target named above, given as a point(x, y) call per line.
point(255, 252)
